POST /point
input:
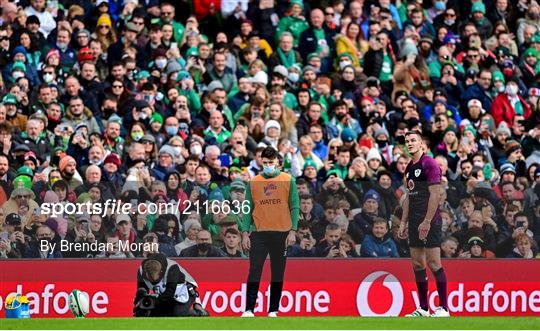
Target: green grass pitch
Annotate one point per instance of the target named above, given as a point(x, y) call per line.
point(280, 323)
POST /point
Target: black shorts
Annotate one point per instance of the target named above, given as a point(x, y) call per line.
point(434, 237)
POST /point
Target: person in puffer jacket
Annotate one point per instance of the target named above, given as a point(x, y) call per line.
point(379, 243)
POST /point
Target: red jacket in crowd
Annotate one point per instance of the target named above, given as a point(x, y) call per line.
point(502, 110)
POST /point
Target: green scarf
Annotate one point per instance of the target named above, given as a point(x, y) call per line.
point(287, 60)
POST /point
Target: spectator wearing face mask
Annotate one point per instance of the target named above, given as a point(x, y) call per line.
point(509, 103)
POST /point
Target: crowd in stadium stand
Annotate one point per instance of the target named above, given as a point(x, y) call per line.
point(151, 102)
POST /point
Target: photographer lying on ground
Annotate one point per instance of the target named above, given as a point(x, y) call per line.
point(165, 289)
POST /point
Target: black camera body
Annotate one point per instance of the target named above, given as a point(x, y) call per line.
point(147, 302)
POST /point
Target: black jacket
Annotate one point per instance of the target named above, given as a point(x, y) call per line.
point(375, 60)
point(308, 43)
point(172, 278)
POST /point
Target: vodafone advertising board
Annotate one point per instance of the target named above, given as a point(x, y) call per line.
point(359, 287)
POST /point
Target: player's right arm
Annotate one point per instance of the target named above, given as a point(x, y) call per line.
point(402, 234)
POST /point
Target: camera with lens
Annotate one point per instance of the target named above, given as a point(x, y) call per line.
point(147, 301)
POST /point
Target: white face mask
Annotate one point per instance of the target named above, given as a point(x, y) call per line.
point(511, 90)
point(293, 77)
point(343, 64)
point(161, 63)
point(196, 149)
point(62, 46)
point(17, 74)
point(48, 78)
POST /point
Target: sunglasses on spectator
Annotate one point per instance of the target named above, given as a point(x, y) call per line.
point(329, 13)
point(4, 38)
point(24, 196)
point(104, 27)
point(118, 86)
point(450, 15)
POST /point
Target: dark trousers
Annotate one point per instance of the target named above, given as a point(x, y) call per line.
point(172, 308)
point(262, 244)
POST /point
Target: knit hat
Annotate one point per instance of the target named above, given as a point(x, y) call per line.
point(189, 223)
point(181, 75)
point(478, 7)
point(530, 52)
point(9, 99)
point(51, 197)
point(510, 147)
point(156, 117)
point(508, 167)
point(503, 128)
point(372, 194)
point(313, 56)
point(482, 189)
point(451, 128)
point(280, 70)
point(64, 162)
point(348, 135)
point(166, 149)
point(272, 124)
point(373, 154)
point(83, 31)
point(52, 224)
point(104, 19)
point(22, 185)
point(475, 241)
point(309, 68)
point(13, 219)
point(216, 195)
point(310, 163)
point(498, 76)
point(214, 85)
point(19, 49)
point(114, 159)
point(296, 2)
point(475, 103)
point(18, 65)
point(172, 67)
point(469, 128)
point(260, 78)
point(408, 48)
point(382, 131)
point(238, 185)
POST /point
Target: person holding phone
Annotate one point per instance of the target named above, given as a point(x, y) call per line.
point(12, 241)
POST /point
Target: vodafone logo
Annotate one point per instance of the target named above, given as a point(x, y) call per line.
point(379, 294)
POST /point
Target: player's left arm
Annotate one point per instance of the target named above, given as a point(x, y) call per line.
point(433, 202)
point(294, 207)
point(434, 182)
point(294, 204)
